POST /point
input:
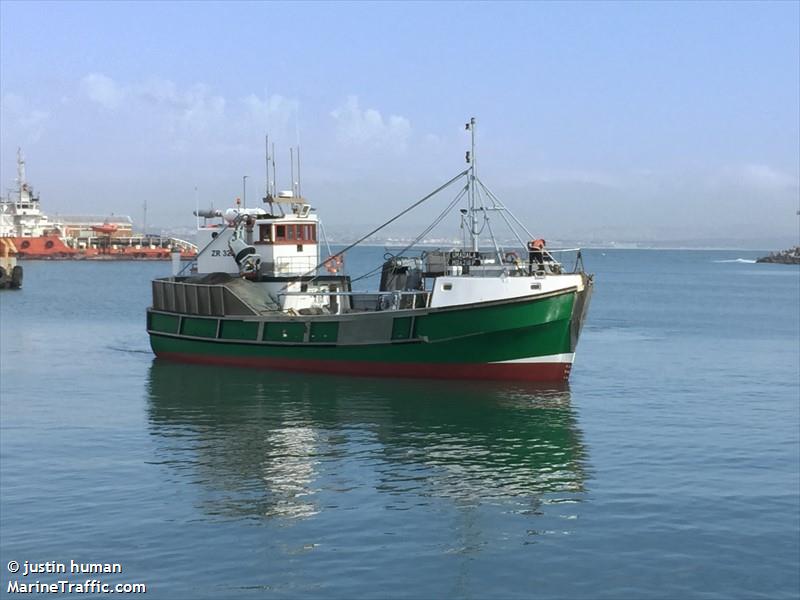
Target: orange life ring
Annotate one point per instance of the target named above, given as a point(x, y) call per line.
point(536, 244)
point(333, 263)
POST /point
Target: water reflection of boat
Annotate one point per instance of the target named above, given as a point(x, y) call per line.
point(276, 444)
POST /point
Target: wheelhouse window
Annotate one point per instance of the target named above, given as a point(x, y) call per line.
point(295, 233)
point(264, 234)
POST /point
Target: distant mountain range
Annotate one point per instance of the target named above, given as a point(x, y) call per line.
point(340, 237)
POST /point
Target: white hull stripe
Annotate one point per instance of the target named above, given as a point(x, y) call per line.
point(550, 358)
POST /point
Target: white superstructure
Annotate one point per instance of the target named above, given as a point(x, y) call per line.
point(286, 243)
point(20, 215)
point(285, 246)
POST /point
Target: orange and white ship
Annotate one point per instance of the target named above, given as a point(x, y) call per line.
point(36, 236)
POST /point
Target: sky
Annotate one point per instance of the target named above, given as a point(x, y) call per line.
point(596, 121)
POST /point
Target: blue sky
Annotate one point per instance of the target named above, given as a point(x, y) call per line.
point(625, 120)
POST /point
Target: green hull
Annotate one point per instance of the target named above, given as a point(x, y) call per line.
point(530, 338)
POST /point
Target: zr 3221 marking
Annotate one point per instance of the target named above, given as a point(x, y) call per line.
point(221, 253)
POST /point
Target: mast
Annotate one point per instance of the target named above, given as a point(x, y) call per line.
point(196, 208)
point(275, 179)
point(21, 183)
point(472, 212)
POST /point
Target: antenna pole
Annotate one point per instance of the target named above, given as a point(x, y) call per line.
point(291, 160)
point(297, 136)
point(274, 176)
point(266, 163)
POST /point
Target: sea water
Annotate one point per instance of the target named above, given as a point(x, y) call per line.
point(668, 468)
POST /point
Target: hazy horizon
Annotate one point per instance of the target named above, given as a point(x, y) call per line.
point(639, 122)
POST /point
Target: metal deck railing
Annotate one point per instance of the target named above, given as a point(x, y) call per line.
point(370, 301)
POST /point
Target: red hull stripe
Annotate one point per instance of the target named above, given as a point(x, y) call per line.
point(541, 372)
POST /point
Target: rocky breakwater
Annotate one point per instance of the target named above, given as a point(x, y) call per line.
point(784, 257)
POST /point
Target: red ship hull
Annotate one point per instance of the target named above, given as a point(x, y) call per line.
point(52, 247)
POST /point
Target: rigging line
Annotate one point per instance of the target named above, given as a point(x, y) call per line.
point(514, 231)
point(503, 210)
point(392, 220)
point(482, 209)
point(436, 221)
point(488, 223)
point(477, 199)
point(463, 233)
point(367, 274)
point(430, 228)
point(485, 217)
point(511, 227)
point(485, 220)
point(503, 206)
point(324, 236)
point(511, 214)
point(494, 241)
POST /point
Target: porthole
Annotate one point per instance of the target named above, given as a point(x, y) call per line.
point(447, 286)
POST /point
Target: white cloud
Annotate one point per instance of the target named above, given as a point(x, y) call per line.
point(432, 140)
point(20, 119)
point(200, 110)
point(195, 108)
point(159, 91)
point(193, 116)
point(275, 111)
point(359, 126)
point(103, 90)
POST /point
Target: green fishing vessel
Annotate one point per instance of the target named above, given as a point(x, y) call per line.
point(260, 295)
